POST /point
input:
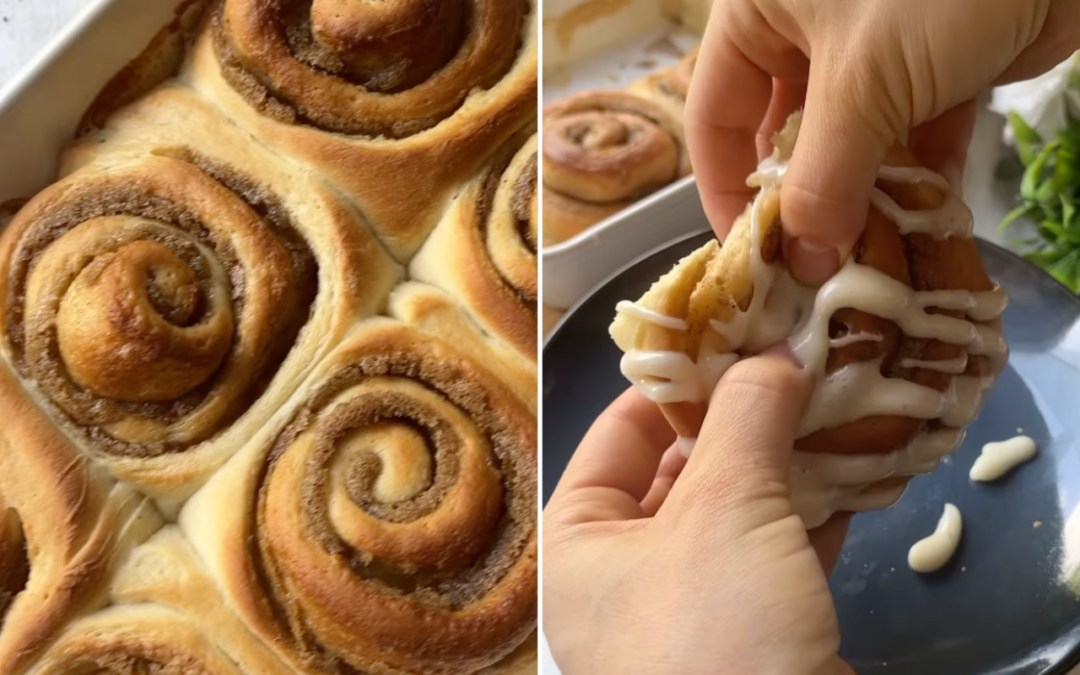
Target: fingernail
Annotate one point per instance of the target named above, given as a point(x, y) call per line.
point(782, 350)
point(811, 263)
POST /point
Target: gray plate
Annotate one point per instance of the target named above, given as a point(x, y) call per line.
point(1004, 604)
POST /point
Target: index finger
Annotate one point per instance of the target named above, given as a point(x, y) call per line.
point(730, 97)
point(727, 102)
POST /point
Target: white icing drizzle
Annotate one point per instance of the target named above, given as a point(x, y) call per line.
point(964, 399)
point(822, 484)
point(998, 459)
point(864, 288)
point(931, 554)
point(781, 308)
point(951, 219)
point(853, 338)
point(952, 366)
point(914, 174)
point(646, 314)
point(672, 377)
point(858, 390)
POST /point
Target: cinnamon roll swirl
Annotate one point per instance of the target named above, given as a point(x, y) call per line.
point(407, 97)
point(64, 528)
point(603, 151)
point(904, 341)
point(163, 302)
point(483, 252)
point(139, 639)
point(391, 526)
point(167, 618)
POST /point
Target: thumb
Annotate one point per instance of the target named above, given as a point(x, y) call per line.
point(826, 191)
point(743, 453)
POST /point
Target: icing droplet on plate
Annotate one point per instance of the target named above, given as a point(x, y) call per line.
point(998, 459)
point(931, 554)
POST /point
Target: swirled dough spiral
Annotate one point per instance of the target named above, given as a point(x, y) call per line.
point(392, 525)
point(484, 251)
point(65, 526)
point(669, 87)
point(155, 294)
point(189, 332)
point(406, 97)
point(603, 151)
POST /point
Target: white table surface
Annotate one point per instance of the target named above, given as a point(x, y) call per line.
point(26, 26)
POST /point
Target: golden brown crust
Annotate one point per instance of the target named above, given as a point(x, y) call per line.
point(484, 250)
point(167, 617)
point(425, 141)
point(133, 640)
point(164, 299)
point(604, 150)
point(423, 560)
point(176, 315)
point(435, 311)
point(66, 527)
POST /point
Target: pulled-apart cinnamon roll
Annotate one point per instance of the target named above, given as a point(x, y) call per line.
point(904, 341)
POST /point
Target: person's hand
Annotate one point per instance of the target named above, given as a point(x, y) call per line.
point(650, 567)
point(868, 71)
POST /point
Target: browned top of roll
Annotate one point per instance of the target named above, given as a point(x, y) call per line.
point(395, 519)
point(610, 146)
point(391, 68)
point(152, 304)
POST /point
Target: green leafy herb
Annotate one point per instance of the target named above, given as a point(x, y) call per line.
point(1049, 197)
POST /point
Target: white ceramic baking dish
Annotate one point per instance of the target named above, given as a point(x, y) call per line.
point(41, 107)
point(609, 44)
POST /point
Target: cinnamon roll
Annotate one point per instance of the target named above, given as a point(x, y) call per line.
point(391, 525)
point(64, 528)
point(669, 86)
point(133, 641)
point(140, 639)
point(904, 341)
point(603, 151)
point(385, 99)
point(167, 617)
point(216, 457)
point(483, 252)
point(165, 298)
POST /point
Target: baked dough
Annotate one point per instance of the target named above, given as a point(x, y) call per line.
point(220, 455)
point(603, 151)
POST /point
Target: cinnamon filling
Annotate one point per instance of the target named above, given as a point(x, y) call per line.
point(484, 551)
point(393, 48)
point(523, 203)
